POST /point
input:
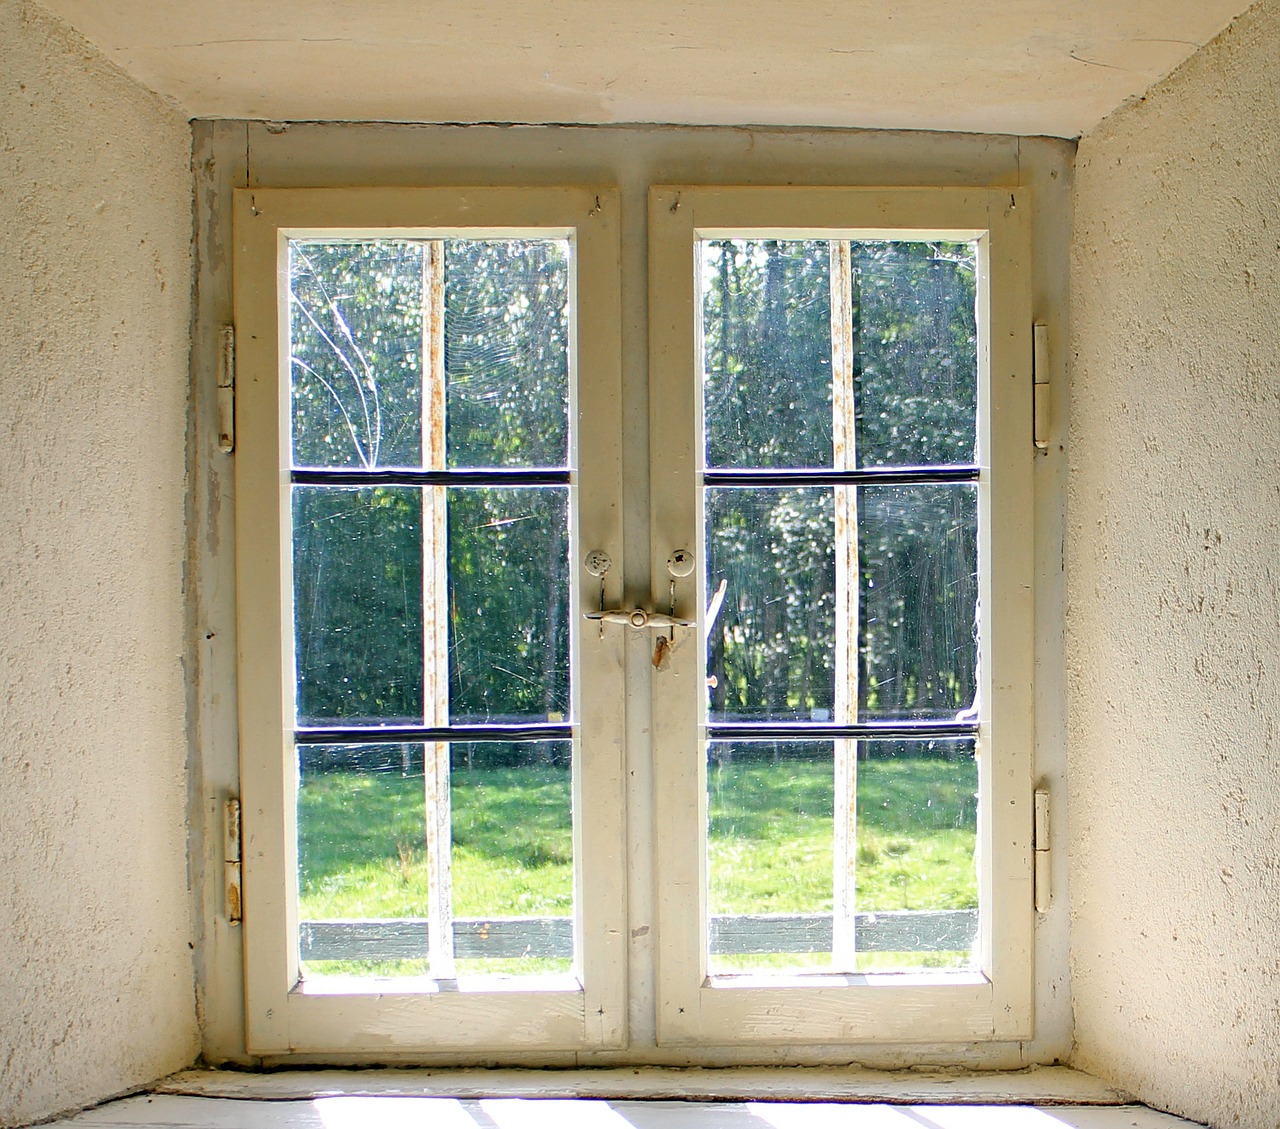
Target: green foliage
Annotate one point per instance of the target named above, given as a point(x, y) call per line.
point(360, 317)
point(362, 855)
point(358, 603)
point(768, 402)
point(360, 327)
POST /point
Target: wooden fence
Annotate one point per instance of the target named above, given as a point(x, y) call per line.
point(387, 939)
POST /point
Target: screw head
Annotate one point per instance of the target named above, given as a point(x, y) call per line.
point(680, 563)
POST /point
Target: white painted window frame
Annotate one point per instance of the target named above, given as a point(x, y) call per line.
point(585, 1010)
point(589, 1012)
point(994, 1001)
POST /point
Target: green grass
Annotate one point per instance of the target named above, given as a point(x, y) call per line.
point(362, 853)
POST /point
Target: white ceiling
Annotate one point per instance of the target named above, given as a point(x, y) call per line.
point(1052, 67)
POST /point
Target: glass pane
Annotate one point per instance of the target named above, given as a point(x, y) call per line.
point(915, 352)
point(506, 352)
point(357, 583)
point(508, 605)
point(771, 652)
point(775, 859)
point(366, 887)
point(358, 605)
point(779, 648)
point(918, 557)
point(766, 323)
point(767, 318)
point(361, 860)
point(355, 352)
point(358, 337)
point(513, 856)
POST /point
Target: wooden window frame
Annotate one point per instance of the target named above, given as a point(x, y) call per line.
point(584, 1010)
point(588, 1012)
point(995, 1000)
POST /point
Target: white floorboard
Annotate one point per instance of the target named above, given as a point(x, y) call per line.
point(178, 1111)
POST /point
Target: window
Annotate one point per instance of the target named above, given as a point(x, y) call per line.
point(439, 629)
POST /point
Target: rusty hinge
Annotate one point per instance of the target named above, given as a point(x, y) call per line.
point(227, 390)
point(231, 860)
point(1044, 891)
point(1040, 386)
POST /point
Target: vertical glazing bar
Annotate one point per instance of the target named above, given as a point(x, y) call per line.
point(845, 457)
point(435, 622)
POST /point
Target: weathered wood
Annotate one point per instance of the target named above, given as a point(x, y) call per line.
point(435, 624)
point(909, 931)
point(902, 931)
point(842, 944)
point(1050, 1085)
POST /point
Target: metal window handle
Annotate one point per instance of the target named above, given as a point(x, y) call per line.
point(680, 563)
point(640, 618)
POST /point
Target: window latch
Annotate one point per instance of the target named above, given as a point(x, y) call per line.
point(640, 619)
point(679, 564)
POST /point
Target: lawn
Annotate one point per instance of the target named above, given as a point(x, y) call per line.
point(362, 855)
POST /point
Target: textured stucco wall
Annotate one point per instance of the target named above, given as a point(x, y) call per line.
point(96, 982)
point(1173, 578)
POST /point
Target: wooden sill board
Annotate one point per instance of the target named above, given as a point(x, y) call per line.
point(1046, 1085)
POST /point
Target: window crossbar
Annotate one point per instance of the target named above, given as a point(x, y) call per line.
point(832, 731)
point(414, 476)
point(819, 476)
point(433, 734)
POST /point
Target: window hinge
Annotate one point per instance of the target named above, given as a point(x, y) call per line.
point(1040, 370)
point(231, 859)
point(1041, 851)
point(227, 390)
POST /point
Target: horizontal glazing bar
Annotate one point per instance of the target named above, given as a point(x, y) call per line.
point(424, 734)
point(411, 476)
point(868, 476)
point(829, 731)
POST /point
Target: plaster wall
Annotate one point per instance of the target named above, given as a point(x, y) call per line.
point(96, 981)
point(256, 154)
point(1174, 587)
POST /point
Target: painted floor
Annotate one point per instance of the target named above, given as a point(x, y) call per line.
point(180, 1111)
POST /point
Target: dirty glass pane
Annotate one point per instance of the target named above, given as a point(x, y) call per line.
point(770, 810)
point(767, 321)
point(774, 855)
point(512, 856)
point(778, 644)
point(360, 341)
point(916, 874)
point(357, 586)
point(355, 352)
point(766, 352)
point(361, 835)
point(365, 881)
point(771, 651)
point(915, 352)
point(918, 558)
point(507, 352)
point(508, 605)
